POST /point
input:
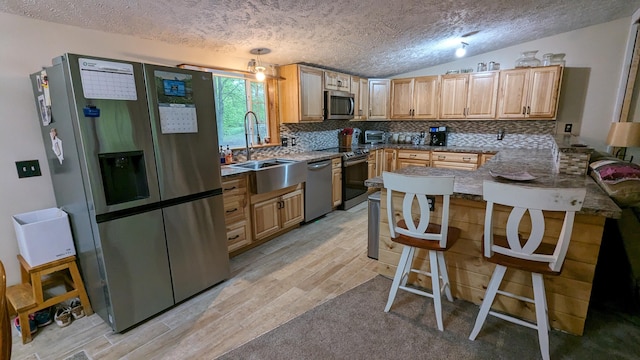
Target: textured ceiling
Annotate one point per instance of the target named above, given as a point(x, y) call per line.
point(374, 38)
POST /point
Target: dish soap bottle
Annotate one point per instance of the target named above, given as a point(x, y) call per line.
point(228, 156)
point(222, 155)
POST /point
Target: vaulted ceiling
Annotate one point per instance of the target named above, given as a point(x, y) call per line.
point(371, 38)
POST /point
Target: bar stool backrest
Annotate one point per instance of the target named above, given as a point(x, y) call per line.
point(534, 200)
point(418, 187)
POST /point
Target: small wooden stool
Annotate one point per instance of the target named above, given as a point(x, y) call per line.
point(28, 297)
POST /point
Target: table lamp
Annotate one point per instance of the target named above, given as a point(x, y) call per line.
point(623, 135)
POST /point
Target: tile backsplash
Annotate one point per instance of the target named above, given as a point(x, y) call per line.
point(530, 134)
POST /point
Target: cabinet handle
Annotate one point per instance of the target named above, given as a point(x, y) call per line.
point(227, 189)
point(524, 110)
point(413, 155)
point(441, 157)
point(233, 238)
point(528, 110)
point(467, 159)
point(232, 210)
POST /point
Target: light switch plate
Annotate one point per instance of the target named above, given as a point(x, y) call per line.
point(28, 168)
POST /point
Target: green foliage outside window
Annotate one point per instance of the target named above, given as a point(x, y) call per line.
point(233, 98)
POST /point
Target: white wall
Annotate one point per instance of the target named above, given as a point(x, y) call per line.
point(25, 46)
point(594, 60)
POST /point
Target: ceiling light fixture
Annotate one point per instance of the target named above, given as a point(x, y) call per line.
point(461, 51)
point(255, 65)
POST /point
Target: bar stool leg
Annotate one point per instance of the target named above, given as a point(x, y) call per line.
point(445, 276)
point(541, 314)
point(435, 285)
point(489, 296)
point(405, 260)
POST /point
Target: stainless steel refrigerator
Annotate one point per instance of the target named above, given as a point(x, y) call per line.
point(132, 150)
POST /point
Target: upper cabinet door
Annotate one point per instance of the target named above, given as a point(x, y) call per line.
point(544, 86)
point(311, 95)
point(483, 95)
point(379, 99)
point(453, 96)
point(426, 97)
point(402, 98)
point(301, 94)
point(513, 93)
point(529, 93)
point(363, 108)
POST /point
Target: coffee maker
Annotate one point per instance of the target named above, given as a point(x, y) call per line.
point(438, 136)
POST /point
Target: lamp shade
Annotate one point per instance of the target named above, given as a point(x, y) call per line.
point(624, 134)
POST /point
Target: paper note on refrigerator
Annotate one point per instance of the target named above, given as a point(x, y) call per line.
point(177, 118)
point(107, 80)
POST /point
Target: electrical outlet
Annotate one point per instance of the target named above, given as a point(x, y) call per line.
point(567, 127)
point(293, 141)
point(284, 141)
point(28, 168)
point(432, 203)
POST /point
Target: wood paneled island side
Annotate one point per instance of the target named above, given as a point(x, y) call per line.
point(567, 294)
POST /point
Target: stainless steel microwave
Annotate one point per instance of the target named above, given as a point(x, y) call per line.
point(338, 105)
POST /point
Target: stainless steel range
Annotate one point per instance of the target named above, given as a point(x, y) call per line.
point(354, 174)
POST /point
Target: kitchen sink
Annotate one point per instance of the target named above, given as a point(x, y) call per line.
point(274, 174)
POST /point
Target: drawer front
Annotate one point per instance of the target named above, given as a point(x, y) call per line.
point(414, 155)
point(456, 157)
point(234, 186)
point(237, 236)
point(234, 209)
point(454, 165)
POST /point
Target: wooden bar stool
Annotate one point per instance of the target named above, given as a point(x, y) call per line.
point(532, 255)
point(28, 297)
point(424, 235)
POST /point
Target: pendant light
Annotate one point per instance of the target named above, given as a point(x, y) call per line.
point(255, 65)
point(461, 51)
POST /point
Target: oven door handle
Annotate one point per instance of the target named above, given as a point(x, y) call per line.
point(354, 162)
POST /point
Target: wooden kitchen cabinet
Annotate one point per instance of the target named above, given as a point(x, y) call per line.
point(360, 91)
point(336, 182)
point(389, 160)
point(375, 163)
point(415, 98)
point(413, 158)
point(529, 93)
point(379, 99)
point(337, 81)
point(236, 209)
point(301, 94)
point(454, 160)
point(484, 158)
point(469, 96)
point(277, 211)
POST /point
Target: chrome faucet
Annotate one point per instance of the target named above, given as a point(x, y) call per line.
point(247, 133)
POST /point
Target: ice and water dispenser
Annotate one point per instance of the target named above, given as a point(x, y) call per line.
point(124, 177)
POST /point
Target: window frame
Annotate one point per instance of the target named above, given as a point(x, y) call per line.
point(271, 93)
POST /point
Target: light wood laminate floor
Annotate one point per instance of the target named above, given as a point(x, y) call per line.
point(269, 286)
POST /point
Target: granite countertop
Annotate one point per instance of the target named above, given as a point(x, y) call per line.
point(539, 163)
point(309, 156)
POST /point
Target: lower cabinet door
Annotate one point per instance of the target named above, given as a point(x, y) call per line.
point(266, 219)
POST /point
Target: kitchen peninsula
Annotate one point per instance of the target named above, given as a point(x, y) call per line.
point(568, 294)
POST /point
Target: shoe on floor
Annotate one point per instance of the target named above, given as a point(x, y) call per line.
point(44, 317)
point(33, 327)
point(76, 309)
point(63, 316)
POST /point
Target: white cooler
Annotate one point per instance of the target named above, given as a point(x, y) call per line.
point(43, 235)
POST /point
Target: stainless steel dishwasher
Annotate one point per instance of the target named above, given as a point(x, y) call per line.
point(317, 190)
